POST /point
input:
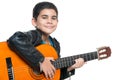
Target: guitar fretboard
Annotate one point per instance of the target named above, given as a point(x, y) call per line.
point(68, 61)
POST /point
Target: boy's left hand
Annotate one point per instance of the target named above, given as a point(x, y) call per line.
point(78, 63)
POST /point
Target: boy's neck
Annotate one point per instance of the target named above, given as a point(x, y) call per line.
point(45, 38)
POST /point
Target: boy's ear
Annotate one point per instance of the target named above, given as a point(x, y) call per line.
point(33, 22)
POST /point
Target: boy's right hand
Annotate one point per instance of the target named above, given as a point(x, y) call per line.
point(47, 68)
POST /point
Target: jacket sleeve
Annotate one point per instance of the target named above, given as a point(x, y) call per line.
point(23, 45)
point(65, 74)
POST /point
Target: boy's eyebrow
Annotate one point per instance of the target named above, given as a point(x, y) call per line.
point(47, 15)
point(44, 15)
point(54, 16)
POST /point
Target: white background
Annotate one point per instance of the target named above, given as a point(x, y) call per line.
point(84, 25)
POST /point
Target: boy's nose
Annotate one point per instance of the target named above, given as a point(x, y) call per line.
point(49, 20)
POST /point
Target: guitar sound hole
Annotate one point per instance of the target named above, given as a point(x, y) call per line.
point(36, 72)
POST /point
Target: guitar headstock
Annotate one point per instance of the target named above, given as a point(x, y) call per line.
point(104, 52)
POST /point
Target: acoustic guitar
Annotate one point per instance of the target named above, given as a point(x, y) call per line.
point(12, 67)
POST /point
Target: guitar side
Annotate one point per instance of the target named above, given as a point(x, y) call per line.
point(20, 69)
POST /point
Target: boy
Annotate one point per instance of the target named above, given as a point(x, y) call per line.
point(45, 19)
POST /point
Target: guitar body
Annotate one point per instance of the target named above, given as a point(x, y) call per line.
point(20, 69)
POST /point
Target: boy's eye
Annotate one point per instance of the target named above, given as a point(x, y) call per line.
point(47, 17)
point(44, 17)
point(54, 18)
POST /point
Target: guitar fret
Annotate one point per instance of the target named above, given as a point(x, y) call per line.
point(71, 61)
point(88, 57)
point(64, 63)
point(93, 56)
point(67, 61)
point(81, 56)
point(85, 57)
point(55, 64)
point(96, 55)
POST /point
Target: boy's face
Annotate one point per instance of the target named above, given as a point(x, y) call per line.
point(46, 21)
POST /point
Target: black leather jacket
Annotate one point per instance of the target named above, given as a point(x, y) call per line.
point(24, 46)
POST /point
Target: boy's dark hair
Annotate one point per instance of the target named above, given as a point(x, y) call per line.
point(43, 5)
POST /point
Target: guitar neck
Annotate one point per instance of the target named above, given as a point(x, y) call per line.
point(68, 61)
